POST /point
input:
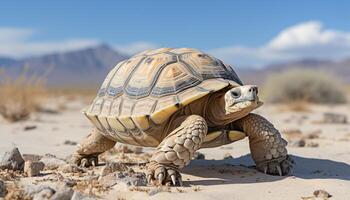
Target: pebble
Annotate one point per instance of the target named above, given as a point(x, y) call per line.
point(33, 168)
point(63, 192)
point(335, 118)
point(113, 167)
point(130, 179)
point(322, 194)
point(12, 160)
point(3, 190)
point(69, 168)
point(45, 193)
point(80, 196)
point(31, 157)
point(198, 156)
point(297, 143)
point(227, 156)
point(69, 142)
point(51, 162)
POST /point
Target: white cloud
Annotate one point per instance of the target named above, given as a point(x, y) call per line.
point(135, 47)
point(305, 40)
point(17, 43)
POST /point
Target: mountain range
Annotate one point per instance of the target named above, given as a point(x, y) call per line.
point(88, 67)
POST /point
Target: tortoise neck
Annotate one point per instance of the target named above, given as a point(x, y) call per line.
point(216, 112)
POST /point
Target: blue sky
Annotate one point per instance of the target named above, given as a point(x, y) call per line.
point(243, 32)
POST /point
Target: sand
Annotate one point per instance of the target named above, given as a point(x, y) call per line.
point(326, 166)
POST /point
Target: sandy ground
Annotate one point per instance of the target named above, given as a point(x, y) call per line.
point(326, 166)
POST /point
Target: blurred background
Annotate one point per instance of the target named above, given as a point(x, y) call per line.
point(294, 51)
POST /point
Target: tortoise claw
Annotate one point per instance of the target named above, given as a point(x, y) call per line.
point(162, 174)
point(279, 170)
point(160, 178)
point(173, 179)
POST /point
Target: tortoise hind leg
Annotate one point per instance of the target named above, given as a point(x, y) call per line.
point(88, 150)
point(176, 150)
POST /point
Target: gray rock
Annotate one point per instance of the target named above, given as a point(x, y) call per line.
point(113, 167)
point(51, 162)
point(12, 160)
point(44, 194)
point(32, 190)
point(297, 143)
point(63, 192)
point(133, 179)
point(130, 179)
point(157, 190)
point(3, 190)
point(199, 156)
point(80, 196)
point(70, 168)
point(31, 157)
point(33, 168)
point(335, 118)
point(322, 194)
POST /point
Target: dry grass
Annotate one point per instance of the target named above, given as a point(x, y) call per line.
point(298, 85)
point(298, 106)
point(20, 96)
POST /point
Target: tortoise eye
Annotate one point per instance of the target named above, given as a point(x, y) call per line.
point(235, 94)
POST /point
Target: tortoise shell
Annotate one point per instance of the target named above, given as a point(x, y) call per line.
point(149, 87)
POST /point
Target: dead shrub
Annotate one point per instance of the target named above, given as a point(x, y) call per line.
point(20, 96)
point(304, 85)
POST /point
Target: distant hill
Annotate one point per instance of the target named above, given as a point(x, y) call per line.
point(340, 69)
point(86, 67)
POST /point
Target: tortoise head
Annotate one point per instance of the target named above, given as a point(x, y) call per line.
point(242, 98)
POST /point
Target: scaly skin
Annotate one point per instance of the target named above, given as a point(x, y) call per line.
point(267, 148)
point(89, 149)
point(176, 150)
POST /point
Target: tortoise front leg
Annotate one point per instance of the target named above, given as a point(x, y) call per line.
point(176, 150)
point(267, 147)
point(88, 150)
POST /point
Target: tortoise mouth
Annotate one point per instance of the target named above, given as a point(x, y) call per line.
point(248, 105)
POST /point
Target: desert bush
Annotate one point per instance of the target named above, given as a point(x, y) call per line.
point(304, 86)
point(20, 96)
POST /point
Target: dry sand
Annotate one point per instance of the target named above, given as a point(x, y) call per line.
point(326, 166)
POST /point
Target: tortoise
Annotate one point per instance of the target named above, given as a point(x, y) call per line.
point(179, 100)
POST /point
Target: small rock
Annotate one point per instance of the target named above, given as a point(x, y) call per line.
point(30, 127)
point(314, 134)
point(113, 167)
point(45, 193)
point(3, 190)
point(80, 196)
point(199, 156)
point(227, 156)
point(70, 182)
point(32, 189)
point(130, 179)
point(335, 118)
point(63, 192)
point(297, 143)
point(68, 142)
point(31, 157)
point(51, 162)
point(157, 190)
point(12, 160)
point(33, 168)
point(69, 168)
point(108, 180)
point(312, 144)
point(322, 194)
point(134, 179)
